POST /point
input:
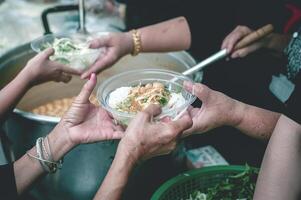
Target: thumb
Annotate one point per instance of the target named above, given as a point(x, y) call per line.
point(182, 124)
point(153, 110)
point(198, 89)
point(147, 114)
point(46, 53)
point(87, 89)
point(99, 42)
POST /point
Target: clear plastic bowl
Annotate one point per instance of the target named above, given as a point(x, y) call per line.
point(78, 61)
point(39, 44)
point(173, 81)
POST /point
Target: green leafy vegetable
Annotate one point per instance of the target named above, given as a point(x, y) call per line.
point(163, 101)
point(72, 53)
point(236, 187)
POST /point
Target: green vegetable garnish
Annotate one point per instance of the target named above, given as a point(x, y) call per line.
point(124, 104)
point(163, 101)
point(236, 187)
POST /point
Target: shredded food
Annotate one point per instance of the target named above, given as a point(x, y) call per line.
point(72, 53)
point(142, 96)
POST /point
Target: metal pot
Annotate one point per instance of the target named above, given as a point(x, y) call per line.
point(85, 166)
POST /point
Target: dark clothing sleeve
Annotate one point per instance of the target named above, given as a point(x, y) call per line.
point(8, 189)
point(257, 13)
point(209, 20)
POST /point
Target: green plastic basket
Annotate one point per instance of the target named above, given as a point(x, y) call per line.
point(181, 186)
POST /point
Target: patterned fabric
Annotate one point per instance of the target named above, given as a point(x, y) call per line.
point(293, 52)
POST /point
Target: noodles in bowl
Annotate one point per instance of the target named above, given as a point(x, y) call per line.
point(125, 94)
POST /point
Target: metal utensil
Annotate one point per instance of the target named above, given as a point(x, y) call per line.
point(82, 17)
point(215, 57)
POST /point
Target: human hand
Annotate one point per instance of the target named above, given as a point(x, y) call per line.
point(217, 109)
point(235, 36)
point(117, 45)
point(87, 123)
point(40, 69)
point(144, 139)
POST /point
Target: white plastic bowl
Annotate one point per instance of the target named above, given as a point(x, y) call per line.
point(173, 81)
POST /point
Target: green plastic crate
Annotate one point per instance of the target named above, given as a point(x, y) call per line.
point(181, 186)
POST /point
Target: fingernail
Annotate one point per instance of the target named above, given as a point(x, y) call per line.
point(188, 86)
point(92, 76)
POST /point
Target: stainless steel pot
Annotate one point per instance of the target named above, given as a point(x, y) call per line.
point(85, 166)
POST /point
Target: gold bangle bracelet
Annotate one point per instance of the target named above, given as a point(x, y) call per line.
point(137, 42)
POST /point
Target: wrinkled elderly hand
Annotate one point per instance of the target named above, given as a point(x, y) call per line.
point(40, 69)
point(235, 36)
point(85, 122)
point(117, 45)
point(217, 109)
point(144, 139)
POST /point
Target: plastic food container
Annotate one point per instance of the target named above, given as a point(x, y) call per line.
point(172, 80)
point(39, 44)
point(79, 60)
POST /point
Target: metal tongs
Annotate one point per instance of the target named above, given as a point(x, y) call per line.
point(247, 40)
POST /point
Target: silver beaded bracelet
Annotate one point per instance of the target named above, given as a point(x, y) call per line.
point(44, 156)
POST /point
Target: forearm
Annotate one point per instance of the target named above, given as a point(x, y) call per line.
point(171, 35)
point(255, 122)
point(27, 170)
point(117, 177)
point(11, 94)
point(279, 176)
